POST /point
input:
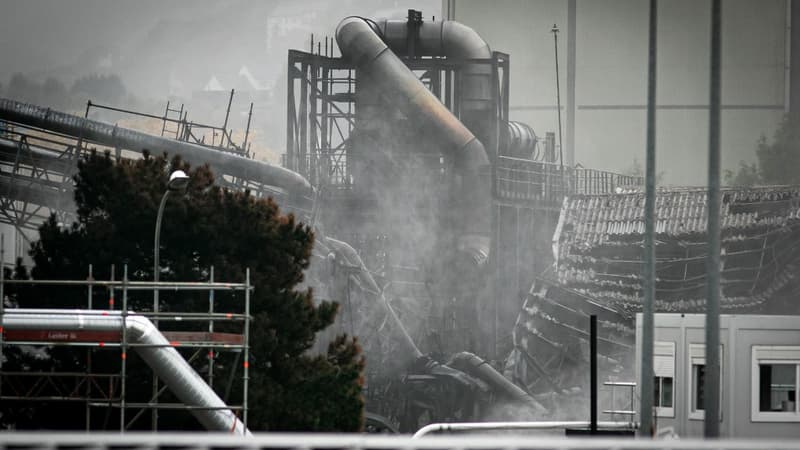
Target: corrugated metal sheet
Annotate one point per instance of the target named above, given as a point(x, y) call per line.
point(594, 218)
point(598, 246)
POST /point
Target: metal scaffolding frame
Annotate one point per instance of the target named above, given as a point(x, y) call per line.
point(188, 130)
point(108, 390)
point(321, 109)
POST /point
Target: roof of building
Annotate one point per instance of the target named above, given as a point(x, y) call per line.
point(593, 219)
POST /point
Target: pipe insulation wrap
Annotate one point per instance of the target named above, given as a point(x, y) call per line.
point(371, 46)
point(165, 361)
point(454, 40)
point(360, 45)
point(475, 366)
point(118, 137)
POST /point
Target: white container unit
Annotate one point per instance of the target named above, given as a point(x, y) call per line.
point(760, 378)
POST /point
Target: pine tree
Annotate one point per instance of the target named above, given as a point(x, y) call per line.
point(232, 231)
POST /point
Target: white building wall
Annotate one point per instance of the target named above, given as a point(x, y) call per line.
point(738, 335)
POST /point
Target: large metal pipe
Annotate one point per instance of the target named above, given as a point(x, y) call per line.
point(154, 349)
point(350, 257)
point(516, 426)
point(453, 40)
point(519, 141)
point(360, 43)
point(380, 70)
point(475, 366)
point(297, 187)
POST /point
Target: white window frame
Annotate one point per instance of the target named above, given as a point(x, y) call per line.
point(697, 356)
point(773, 354)
point(664, 367)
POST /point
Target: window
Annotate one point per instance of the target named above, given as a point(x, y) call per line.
point(699, 383)
point(775, 380)
point(697, 377)
point(664, 371)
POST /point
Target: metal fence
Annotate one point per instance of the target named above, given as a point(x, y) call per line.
point(547, 183)
point(185, 441)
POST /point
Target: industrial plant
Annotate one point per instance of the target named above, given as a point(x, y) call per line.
point(489, 270)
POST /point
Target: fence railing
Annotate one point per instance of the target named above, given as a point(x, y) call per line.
point(317, 441)
point(548, 183)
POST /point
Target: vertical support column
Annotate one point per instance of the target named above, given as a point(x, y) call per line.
point(89, 291)
point(349, 148)
point(314, 148)
point(247, 130)
point(327, 156)
point(788, 59)
point(649, 275)
point(303, 116)
point(712, 386)
point(554, 30)
point(225, 124)
point(494, 146)
point(593, 374)
point(246, 346)
point(211, 330)
point(124, 346)
point(569, 149)
point(2, 298)
point(291, 119)
point(493, 265)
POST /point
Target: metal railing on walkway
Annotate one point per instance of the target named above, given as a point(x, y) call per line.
point(268, 441)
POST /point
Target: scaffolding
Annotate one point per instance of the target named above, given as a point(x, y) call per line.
point(191, 332)
point(176, 124)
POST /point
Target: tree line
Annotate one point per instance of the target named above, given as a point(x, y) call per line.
point(54, 93)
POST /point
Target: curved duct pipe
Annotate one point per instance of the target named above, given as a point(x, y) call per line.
point(455, 40)
point(156, 351)
point(479, 368)
point(413, 354)
point(297, 187)
point(384, 72)
point(361, 45)
point(350, 256)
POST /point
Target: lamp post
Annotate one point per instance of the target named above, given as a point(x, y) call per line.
point(178, 182)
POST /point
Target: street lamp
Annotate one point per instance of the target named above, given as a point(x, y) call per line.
point(178, 182)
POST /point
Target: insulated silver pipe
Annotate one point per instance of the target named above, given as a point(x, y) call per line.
point(103, 133)
point(156, 351)
point(363, 47)
point(453, 40)
point(477, 367)
point(521, 426)
point(361, 43)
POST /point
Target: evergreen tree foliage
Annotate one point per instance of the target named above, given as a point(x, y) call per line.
point(777, 162)
point(232, 231)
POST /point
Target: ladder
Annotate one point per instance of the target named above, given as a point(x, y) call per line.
point(177, 121)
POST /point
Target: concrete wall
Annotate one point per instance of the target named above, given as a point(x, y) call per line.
point(611, 76)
